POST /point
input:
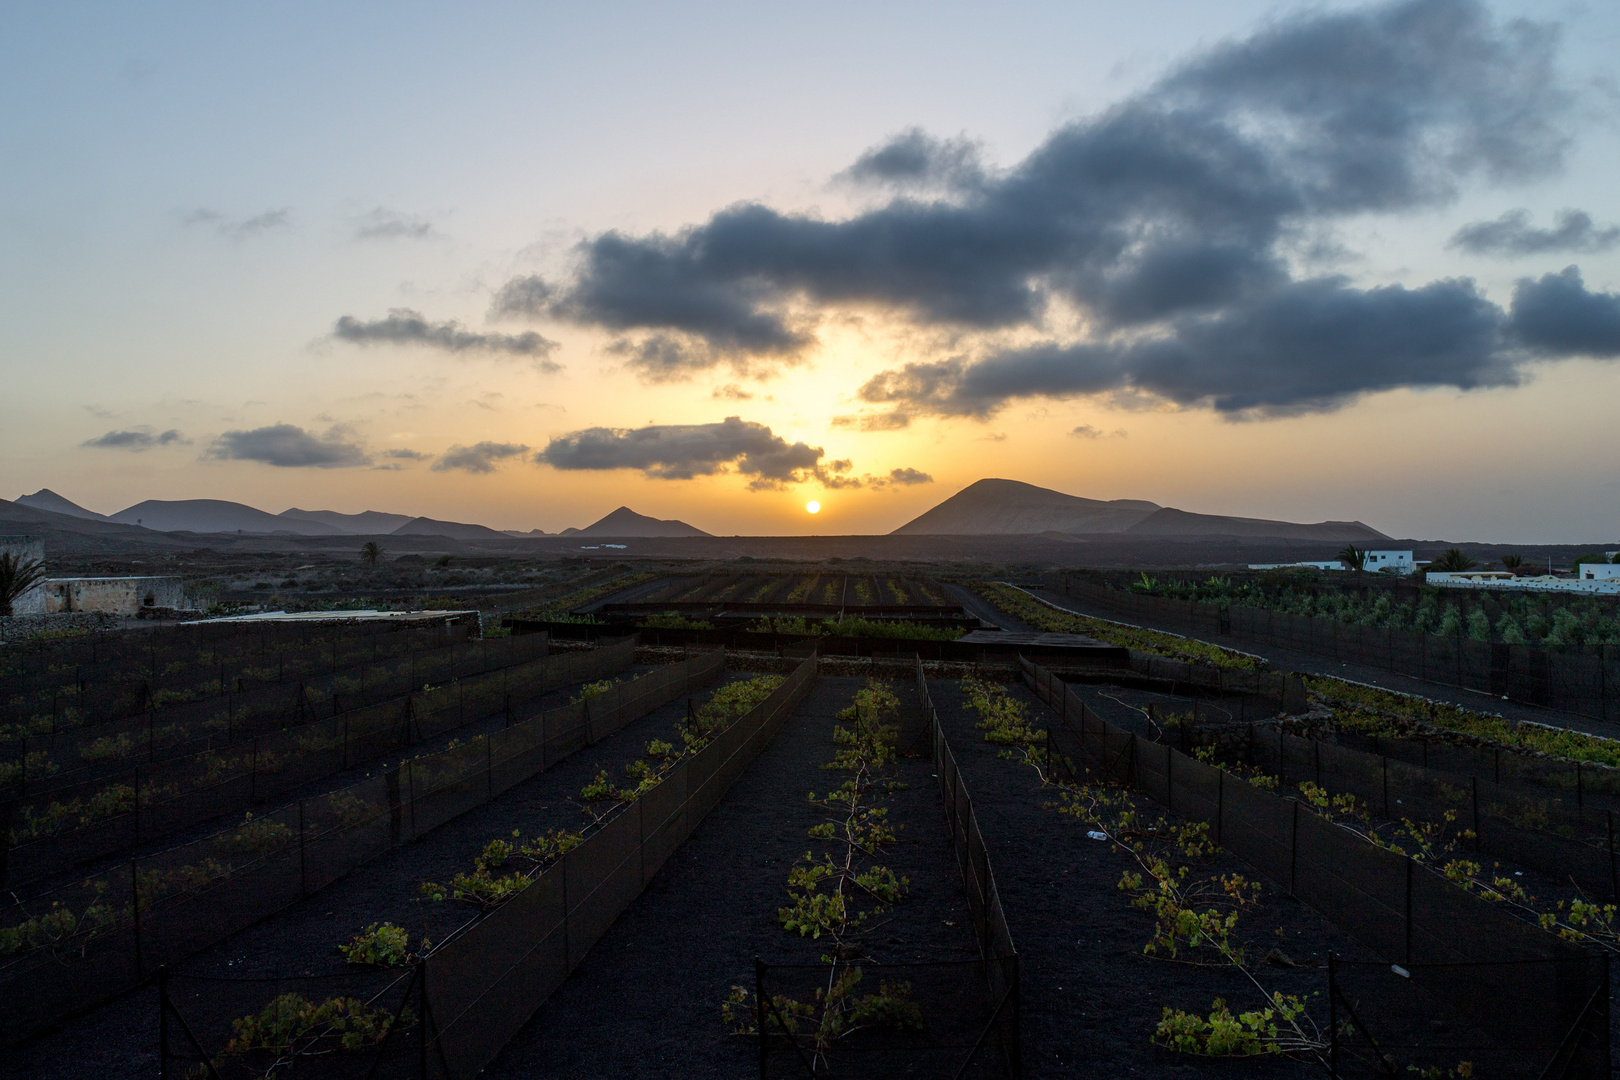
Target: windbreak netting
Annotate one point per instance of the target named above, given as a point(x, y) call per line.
point(1583, 679)
point(485, 983)
point(67, 758)
point(116, 675)
point(1525, 822)
point(1388, 902)
point(84, 942)
point(65, 827)
point(352, 1025)
point(1385, 1019)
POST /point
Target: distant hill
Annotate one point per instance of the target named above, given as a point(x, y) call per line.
point(217, 516)
point(1013, 508)
point(46, 499)
point(455, 530)
point(69, 532)
point(1169, 522)
point(365, 523)
point(626, 522)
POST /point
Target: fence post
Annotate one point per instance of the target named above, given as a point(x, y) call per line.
point(1293, 847)
point(421, 1018)
point(1386, 786)
point(135, 908)
point(1406, 956)
point(1220, 804)
point(1614, 879)
point(1473, 783)
point(1333, 1020)
point(163, 1022)
point(759, 1013)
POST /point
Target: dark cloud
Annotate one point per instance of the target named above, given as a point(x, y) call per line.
point(528, 297)
point(1512, 234)
point(479, 457)
point(136, 440)
point(1163, 226)
point(683, 451)
point(290, 447)
point(1313, 345)
point(915, 159)
point(730, 392)
point(1557, 317)
point(241, 228)
point(406, 327)
point(406, 455)
point(908, 477)
point(1087, 431)
point(383, 224)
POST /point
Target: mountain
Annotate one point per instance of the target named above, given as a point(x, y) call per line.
point(365, 523)
point(626, 522)
point(46, 499)
point(216, 516)
point(79, 535)
point(455, 530)
point(1169, 522)
point(1010, 507)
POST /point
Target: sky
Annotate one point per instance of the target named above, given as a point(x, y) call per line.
point(523, 263)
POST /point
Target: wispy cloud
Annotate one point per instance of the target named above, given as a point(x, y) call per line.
point(136, 439)
point(1513, 235)
point(382, 224)
point(404, 326)
point(479, 457)
point(241, 228)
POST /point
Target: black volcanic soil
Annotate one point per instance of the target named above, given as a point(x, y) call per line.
point(120, 1039)
point(1090, 997)
point(646, 1000)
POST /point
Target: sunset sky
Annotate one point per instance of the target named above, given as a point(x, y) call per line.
point(520, 264)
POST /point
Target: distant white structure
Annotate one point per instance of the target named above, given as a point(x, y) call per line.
point(1600, 571)
point(117, 595)
point(1398, 561)
point(1606, 585)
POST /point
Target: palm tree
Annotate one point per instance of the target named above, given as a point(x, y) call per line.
point(1353, 558)
point(1452, 561)
point(1513, 562)
point(371, 553)
point(16, 578)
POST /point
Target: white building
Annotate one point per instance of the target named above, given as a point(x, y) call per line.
point(1600, 571)
point(1606, 585)
point(1400, 562)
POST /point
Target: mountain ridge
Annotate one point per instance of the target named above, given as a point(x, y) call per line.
point(626, 522)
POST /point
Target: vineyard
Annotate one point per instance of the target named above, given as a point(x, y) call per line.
point(506, 860)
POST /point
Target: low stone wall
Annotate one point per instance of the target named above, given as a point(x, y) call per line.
point(25, 627)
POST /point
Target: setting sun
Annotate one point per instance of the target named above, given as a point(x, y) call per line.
point(813, 506)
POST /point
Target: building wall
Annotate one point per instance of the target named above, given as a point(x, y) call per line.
point(26, 549)
point(122, 596)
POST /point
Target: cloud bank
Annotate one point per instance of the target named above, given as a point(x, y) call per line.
point(1147, 250)
point(288, 446)
point(684, 451)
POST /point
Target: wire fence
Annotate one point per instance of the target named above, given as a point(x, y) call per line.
point(82, 943)
point(1465, 958)
point(59, 829)
point(484, 984)
point(66, 757)
point(117, 674)
point(1578, 679)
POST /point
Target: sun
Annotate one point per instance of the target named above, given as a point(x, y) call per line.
point(813, 507)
